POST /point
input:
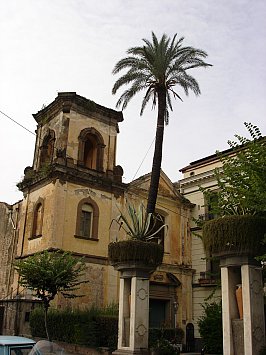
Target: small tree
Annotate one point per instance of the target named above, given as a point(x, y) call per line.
point(241, 181)
point(49, 273)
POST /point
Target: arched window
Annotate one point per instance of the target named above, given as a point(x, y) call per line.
point(87, 219)
point(91, 149)
point(90, 153)
point(47, 148)
point(37, 220)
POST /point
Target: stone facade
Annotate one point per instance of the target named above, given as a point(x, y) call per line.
point(9, 216)
point(75, 182)
point(201, 173)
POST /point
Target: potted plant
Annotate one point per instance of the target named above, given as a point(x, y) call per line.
point(234, 235)
point(141, 246)
point(240, 200)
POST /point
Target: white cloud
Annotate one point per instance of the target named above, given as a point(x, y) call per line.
point(48, 46)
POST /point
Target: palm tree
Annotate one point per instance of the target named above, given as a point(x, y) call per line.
point(157, 67)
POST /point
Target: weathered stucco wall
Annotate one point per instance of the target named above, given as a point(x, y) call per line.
point(8, 246)
point(62, 190)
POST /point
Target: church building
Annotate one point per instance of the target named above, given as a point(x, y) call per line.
point(71, 194)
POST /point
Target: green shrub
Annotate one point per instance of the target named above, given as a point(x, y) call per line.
point(107, 331)
point(210, 328)
point(37, 323)
point(110, 310)
point(234, 234)
point(263, 350)
point(91, 327)
point(175, 335)
point(96, 328)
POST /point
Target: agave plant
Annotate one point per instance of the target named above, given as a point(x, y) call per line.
point(138, 224)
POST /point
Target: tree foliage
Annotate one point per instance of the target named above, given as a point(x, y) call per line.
point(157, 67)
point(49, 273)
point(211, 329)
point(242, 178)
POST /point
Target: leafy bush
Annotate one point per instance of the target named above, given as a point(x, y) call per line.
point(164, 340)
point(92, 327)
point(263, 350)
point(107, 331)
point(96, 328)
point(210, 328)
point(241, 181)
point(234, 233)
point(175, 335)
point(37, 323)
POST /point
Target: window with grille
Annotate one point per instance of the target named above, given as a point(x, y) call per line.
point(86, 221)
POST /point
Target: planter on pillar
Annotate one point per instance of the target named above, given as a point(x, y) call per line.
point(135, 259)
point(236, 240)
point(234, 235)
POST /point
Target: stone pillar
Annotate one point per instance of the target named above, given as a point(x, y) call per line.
point(124, 313)
point(253, 307)
point(249, 334)
point(139, 314)
point(133, 323)
point(229, 307)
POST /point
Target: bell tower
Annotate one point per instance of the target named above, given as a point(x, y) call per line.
point(77, 133)
point(72, 190)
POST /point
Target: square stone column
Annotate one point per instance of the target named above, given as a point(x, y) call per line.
point(133, 323)
point(229, 279)
point(253, 307)
point(124, 313)
point(139, 314)
point(249, 333)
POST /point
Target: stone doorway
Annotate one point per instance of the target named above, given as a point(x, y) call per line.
point(159, 313)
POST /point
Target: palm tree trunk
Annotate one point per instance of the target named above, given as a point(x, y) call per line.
point(157, 156)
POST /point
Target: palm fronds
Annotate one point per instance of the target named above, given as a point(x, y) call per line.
point(159, 63)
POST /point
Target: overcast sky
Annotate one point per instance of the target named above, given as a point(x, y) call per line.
point(50, 46)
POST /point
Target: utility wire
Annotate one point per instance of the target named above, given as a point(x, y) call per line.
point(157, 203)
point(143, 159)
point(133, 176)
point(17, 123)
point(142, 196)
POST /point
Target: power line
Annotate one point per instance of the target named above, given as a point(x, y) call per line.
point(17, 123)
point(133, 176)
point(143, 158)
point(138, 194)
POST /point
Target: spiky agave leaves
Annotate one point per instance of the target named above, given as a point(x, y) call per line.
point(138, 224)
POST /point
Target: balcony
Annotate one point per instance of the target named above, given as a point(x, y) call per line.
point(207, 216)
point(206, 279)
